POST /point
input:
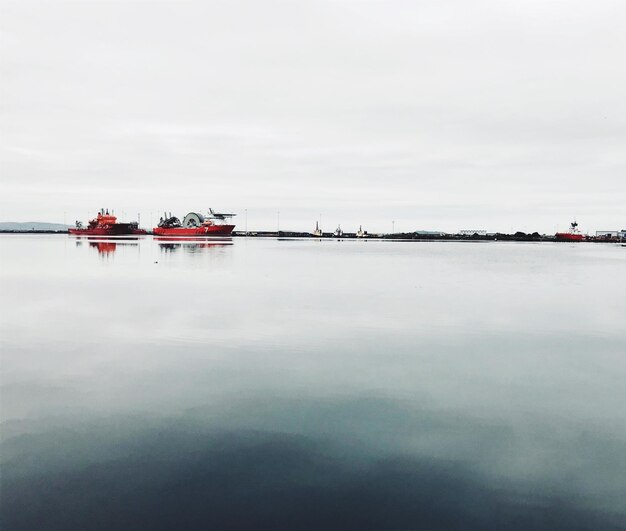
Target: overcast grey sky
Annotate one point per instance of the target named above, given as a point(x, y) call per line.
point(495, 114)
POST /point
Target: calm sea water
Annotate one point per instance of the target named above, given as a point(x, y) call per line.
point(291, 384)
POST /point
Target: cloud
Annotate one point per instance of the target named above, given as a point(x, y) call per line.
point(150, 106)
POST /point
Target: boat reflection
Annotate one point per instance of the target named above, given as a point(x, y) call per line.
point(104, 248)
point(107, 247)
point(190, 245)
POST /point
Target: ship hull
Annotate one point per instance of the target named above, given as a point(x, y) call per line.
point(212, 230)
point(568, 237)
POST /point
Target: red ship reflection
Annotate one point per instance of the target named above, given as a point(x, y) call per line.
point(173, 244)
point(104, 248)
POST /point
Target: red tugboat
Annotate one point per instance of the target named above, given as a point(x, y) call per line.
point(106, 224)
point(573, 235)
point(194, 224)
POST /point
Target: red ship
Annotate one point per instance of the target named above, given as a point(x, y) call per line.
point(106, 224)
point(573, 235)
point(194, 224)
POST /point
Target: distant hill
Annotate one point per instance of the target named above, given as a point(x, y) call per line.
point(31, 226)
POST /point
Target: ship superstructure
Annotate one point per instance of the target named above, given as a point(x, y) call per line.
point(195, 224)
point(105, 224)
point(361, 233)
point(318, 231)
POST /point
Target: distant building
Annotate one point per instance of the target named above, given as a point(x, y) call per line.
point(471, 232)
point(607, 233)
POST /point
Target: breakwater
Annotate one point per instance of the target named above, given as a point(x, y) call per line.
point(400, 236)
point(419, 236)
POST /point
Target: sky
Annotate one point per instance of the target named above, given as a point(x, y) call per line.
point(501, 115)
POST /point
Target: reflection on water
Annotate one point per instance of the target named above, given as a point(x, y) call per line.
point(104, 247)
point(264, 384)
point(190, 245)
point(108, 246)
point(183, 472)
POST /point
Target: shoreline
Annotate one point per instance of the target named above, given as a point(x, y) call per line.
point(407, 236)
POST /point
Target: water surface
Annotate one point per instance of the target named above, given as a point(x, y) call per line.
point(308, 384)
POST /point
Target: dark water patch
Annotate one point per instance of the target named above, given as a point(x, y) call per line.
point(128, 473)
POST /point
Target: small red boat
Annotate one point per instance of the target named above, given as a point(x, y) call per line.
point(106, 224)
point(573, 235)
point(195, 224)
